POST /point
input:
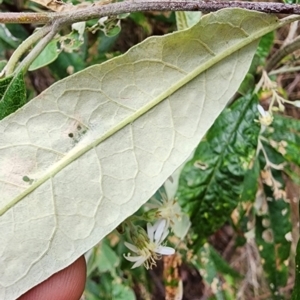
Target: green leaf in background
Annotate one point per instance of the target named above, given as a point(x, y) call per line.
point(265, 46)
point(12, 94)
point(92, 290)
point(186, 19)
point(211, 183)
point(284, 136)
point(8, 38)
point(47, 56)
point(211, 265)
point(122, 292)
point(102, 258)
point(273, 225)
point(262, 52)
point(222, 266)
point(103, 264)
point(140, 19)
point(247, 85)
point(108, 288)
point(67, 64)
point(111, 26)
point(74, 41)
point(107, 259)
point(2, 64)
point(270, 232)
point(250, 183)
point(97, 145)
point(291, 1)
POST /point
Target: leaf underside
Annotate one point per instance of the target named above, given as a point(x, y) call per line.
point(88, 152)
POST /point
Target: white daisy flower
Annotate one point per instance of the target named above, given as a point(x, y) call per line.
point(150, 249)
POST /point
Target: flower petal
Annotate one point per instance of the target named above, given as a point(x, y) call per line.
point(165, 250)
point(139, 262)
point(163, 237)
point(154, 203)
point(131, 247)
point(161, 227)
point(132, 258)
point(261, 110)
point(150, 231)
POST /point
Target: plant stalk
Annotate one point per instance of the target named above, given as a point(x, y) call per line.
point(25, 46)
point(97, 11)
point(282, 53)
point(25, 64)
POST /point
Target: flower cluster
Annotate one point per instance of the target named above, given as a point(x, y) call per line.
point(149, 248)
point(167, 209)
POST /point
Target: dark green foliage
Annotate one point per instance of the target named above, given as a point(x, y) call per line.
point(222, 266)
point(262, 52)
point(106, 278)
point(12, 94)
point(215, 271)
point(7, 39)
point(284, 136)
point(291, 1)
point(211, 183)
point(250, 184)
point(273, 224)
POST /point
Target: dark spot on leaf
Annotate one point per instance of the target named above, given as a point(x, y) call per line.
point(26, 179)
point(70, 135)
point(79, 127)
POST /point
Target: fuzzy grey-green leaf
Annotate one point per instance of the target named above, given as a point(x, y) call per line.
point(98, 144)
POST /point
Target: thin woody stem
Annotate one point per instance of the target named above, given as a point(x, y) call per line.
point(98, 11)
point(26, 18)
point(24, 65)
point(282, 53)
point(25, 46)
point(56, 21)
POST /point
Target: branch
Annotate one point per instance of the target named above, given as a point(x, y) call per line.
point(282, 53)
point(28, 43)
point(25, 64)
point(97, 11)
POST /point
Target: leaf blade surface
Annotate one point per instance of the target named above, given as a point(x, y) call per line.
point(89, 151)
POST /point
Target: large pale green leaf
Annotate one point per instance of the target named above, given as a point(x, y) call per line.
point(89, 151)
